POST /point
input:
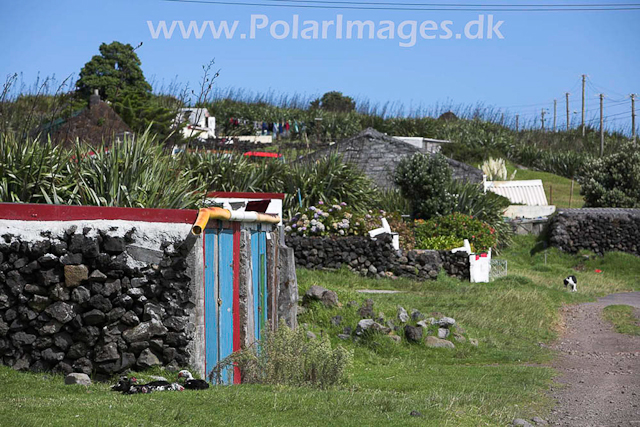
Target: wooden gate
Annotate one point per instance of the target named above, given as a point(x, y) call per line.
point(221, 299)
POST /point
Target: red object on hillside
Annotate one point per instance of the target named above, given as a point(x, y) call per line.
point(598, 271)
point(262, 154)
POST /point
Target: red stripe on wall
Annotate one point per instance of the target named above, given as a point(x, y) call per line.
point(236, 297)
point(42, 212)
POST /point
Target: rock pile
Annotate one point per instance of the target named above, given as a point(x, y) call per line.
point(376, 258)
point(81, 303)
point(597, 230)
point(433, 332)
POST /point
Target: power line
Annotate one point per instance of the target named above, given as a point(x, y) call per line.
point(480, 8)
point(524, 5)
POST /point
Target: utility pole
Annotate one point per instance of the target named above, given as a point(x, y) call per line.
point(517, 122)
point(633, 118)
point(542, 118)
point(567, 98)
point(584, 78)
point(555, 113)
point(601, 124)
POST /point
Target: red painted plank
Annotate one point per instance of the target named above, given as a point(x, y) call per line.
point(240, 195)
point(43, 212)
point(236, 297)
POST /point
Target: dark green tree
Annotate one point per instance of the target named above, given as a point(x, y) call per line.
point(334, 102)
point(142, 112)
point(423, 179)
point(116, 71)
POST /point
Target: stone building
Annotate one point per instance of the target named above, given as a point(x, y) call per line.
point(378, 156)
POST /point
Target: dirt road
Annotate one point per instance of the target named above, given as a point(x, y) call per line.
point(600, 369)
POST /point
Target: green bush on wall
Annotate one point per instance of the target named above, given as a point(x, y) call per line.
point(448, 232)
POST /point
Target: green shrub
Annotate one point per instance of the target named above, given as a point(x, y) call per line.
point(449, 231)
point(288, 357)
point(470, 199)
point(423, 180)
point(612, 181)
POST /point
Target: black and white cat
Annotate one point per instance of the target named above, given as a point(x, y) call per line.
point(572, 282)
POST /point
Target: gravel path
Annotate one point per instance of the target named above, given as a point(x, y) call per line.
point(600, 369)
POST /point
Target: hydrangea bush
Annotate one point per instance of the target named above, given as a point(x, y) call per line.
point(326, 220)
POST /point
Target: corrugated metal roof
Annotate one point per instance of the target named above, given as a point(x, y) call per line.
point(529, 192)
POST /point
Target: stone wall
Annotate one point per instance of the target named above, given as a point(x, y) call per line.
point(94, 301)
point(597, 230)
point(376, 258)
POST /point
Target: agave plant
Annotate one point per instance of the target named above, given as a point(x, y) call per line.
point(329, 180)
point(33, 171)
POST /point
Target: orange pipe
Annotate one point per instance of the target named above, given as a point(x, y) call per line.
point(206, 214)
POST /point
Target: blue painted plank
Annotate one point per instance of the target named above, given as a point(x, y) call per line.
point(255, 279)
point(263, 281)
point(225, 269)
point(210, 298)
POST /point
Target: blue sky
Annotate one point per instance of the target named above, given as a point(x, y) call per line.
point(541, 56)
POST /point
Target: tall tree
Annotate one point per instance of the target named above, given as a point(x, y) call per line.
point(335, 102)
point(116, 71)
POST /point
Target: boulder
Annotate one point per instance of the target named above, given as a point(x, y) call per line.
point(416, 315)
point(443, 333)
point(81, 295)
point(130, 318)
point(107, 352)
point(50, 355)
point(439, 343)
point(446, 322)
point(330, 298)
point(77, 378)
point(147, 359)
point(101, 303)
point(83, 365)
point(413, 333)
point(403, 316)
point(61, 311)
point(39, 303)
point(314, 293)
point(113, 245)
point(97, 276)
point(22, 338)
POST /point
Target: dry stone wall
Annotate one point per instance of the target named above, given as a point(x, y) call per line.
point(376, 258)
point(92, 301)
point(597, 230)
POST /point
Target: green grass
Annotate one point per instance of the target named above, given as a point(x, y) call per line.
point(505, 377)
point(623, 319)
point(557, 188)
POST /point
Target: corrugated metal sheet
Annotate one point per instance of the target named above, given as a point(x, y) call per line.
point(529, 192)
